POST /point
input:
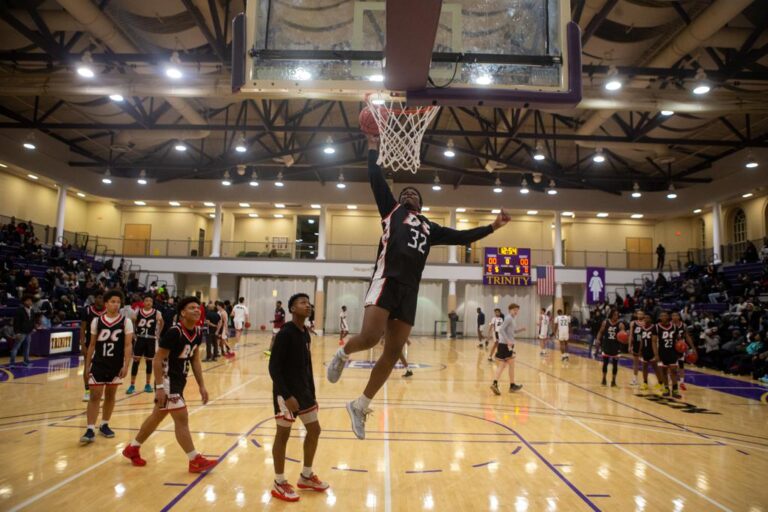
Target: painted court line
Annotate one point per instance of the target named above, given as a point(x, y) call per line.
point(480, 465)
point(350, 469)
point(634, 456)
point(387, 458)
point(514, 452)
point(175, 484)
point(418, 471)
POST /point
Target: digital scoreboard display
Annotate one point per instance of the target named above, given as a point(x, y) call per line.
point(510, 266)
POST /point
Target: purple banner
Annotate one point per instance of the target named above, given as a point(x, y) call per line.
point(595, 285)
point(510, 266)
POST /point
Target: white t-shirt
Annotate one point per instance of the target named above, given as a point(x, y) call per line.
point(239, 312)
point(543, 325)
point(128, 329)
point(563, 326)
point(343, 321)
point(497, 321)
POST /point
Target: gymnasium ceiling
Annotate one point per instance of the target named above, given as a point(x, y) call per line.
point(41, 94)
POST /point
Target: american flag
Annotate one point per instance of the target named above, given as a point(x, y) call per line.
point(545, 280)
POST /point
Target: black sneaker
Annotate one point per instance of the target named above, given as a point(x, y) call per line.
point(676, 393)
point(604, 383)
point(515, 387)
point(613, 383)
point(408, 373)
point(666, 393)
point(88, 437)
point(106, 431)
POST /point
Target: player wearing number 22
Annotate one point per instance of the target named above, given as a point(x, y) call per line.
point(390, 304)
point(177, 352)
point(106, 361)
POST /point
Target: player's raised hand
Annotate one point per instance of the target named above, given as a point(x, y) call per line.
point(501, 220)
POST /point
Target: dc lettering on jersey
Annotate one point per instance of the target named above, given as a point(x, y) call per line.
point(667, 337)
point(113, 335)
point(146, 327)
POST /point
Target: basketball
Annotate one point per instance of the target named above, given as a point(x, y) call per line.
point(691, 357)
point(368, 122)
point(263, 327)
point(681, 346)
point(623, 337)
point(247, 325)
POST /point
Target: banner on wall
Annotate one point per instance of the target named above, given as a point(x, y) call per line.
point(60, 342)
point(595, 285)
point(507, 266)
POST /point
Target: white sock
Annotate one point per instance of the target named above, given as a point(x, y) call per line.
point(191, 455)
point(279, 478)
point(135, 443)
point(342, 354)
point(103, 423)
point(91, 427)
point(362, 402)
point(306, 472)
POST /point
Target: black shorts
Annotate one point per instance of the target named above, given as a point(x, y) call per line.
point(648, 354)
point(144, 347)
point(399, 299)
point(504, 352)
point(668, 357)
point(610, 348)
point(635, 347)
point(681, 363)
point(105, 374)
point(306, 403)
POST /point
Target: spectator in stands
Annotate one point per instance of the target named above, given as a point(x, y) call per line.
point(23, 325)
point(661, 253)
point(750, 254)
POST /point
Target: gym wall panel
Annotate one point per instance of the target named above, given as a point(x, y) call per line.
point(261, 293)
point(27, 200)
point(263, 229)
point(344, 292)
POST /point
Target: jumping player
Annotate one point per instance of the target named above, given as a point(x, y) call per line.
point(390, 305)
point(682, 334)
point(177, 352)
point(635, 346)
point(665, 353)
point(505, 354)
point(542, 329)
point(563, 325)
point(343, 325)
point(496, 322)
point(109, 354)
point(293, 395)
point(149, 323)
point(647, 353)
point(240, 318)
point(95, 310)
point(610, 344)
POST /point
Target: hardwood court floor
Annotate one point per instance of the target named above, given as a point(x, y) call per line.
point(439, 441)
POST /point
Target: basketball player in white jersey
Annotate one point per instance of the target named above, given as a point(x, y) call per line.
point(542, 328)
point(563, 326)
point(240, 318)
point(496, 322)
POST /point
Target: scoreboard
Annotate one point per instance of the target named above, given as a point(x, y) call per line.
point(510, 266)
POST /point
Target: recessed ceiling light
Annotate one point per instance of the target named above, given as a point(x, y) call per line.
point(637, 215)
point(425, 208)
point(311, 221)
point(3, 165)
point(747, 195)
point(351, 207)
point(532, 212)
point(209, 204)
point(279, 205)
point(602, 215)
point(568, 214)
point(460, 210)
point(116, 97)
point(315, 206)
point(484, 80)
point(376, 78)
point(463, 220)
point(29, 145)
point(139, 203)
point(245, 205)
point(637, 195)
point(253, 215)
point(278, 215)
point(174, 203)
point(496, 211)
point(141, 181)
point(667, 113)
point(32, 177)
point(80, 194)
point(212, 215)
point(697, 210)
point(180, 146)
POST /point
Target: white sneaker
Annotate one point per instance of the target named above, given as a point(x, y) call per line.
point(358, 418)
point(87, 396)
point(335, 367)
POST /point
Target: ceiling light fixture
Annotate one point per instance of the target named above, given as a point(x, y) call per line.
point(376, 78)
point(496, 211)
point(612, 79)
point(173, 70)
point(425, 208)
point(598, 157)
point(209, 204)
point(484, 80)
point(180, 146)
point(538, 155)
point(278, 215)
point(436, 184)
point(747, 195)
point(461, 210)
point(751, 163)
point(85, 66)
point(254, 179)
point(240, 146)
point(226, 180)
point(315, 206)
point(671, 194)
point(142, 179)
point(702, 85)
point(244, 205)
point(602, 215)
point(449, 152)
point(302, 74)
point(637, 216)
point(107, 179)
point(524, 186)
point(140, 203)
point(32, 177)
point(329, 149)
point(174, 203)
point(341, 183)
point(279, 205)
point(30, 141)
point(253, 215)
point(568, 214)
point(697, 210)
point(351, 207)
point(636, 191)
point(497, 186)
point(532, 212)
point(279, 180)
point(552, 191)
point(667, 113)
point(80, 194)
point(116, 97)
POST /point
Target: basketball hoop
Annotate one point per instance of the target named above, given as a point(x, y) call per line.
point(400, 130)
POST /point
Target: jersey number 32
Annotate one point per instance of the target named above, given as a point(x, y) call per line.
point(418, 241)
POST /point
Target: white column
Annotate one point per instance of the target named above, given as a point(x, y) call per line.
point(213, 293)
point(216, 248)
point(716, 233)
point(558, 240)
point(62, 204)
point(452, 248)
point(321, 236)
point(320, 305)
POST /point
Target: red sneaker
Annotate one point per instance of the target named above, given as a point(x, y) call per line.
point(313, 483)
point(200, 464)
point(284, 491)
point(682, 386)
point(132, 452)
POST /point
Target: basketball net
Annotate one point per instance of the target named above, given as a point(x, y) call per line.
point(400, 132)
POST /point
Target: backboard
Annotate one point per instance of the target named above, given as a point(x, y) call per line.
point(483, 51)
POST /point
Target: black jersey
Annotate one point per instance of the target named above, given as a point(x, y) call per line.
point(88, 315)
point(637, 337)
point(108, 358)
point(407, 235)
point(646, 342)
point(290, 366)
point(182, 344)
point(146, 324)
point(610, 344)
point(667, 337)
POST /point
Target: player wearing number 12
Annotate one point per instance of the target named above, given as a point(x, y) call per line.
point(390, 304)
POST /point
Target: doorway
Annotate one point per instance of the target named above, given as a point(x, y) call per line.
point(136, 239)
point(639, 253)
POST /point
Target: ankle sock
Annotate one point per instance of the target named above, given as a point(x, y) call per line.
point(306, 472)
point(191, 455)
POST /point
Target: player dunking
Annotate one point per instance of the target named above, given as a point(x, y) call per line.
point(610, 344)
point(563, 326)
point(149, 323)
point(177, 352)
point(635, 344)
point(240, 318)
point(665, 353)
point(390, 305)
point(95, 310)
point(109, 354)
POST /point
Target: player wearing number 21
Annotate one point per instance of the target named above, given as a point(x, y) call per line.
point(390, 304)
point(109, 354)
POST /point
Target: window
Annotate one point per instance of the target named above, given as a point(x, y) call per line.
point(739, 231)
point(307, 236)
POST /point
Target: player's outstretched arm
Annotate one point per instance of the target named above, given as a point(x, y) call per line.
point(381, 192)
point(441, 235)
